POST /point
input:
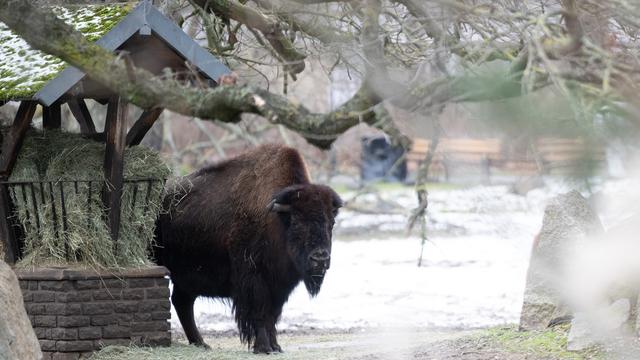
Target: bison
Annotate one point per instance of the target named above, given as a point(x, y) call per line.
point(248, 229)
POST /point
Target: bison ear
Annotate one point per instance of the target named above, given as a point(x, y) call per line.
point(281, 201)
point(275, 206)
point(337, 200)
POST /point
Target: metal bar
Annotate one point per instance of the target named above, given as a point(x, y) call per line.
point(89, 205)
point(41, 193)
point(35, 206)
point(75, 186)
point(26, 207)
point(147, 198)
point(65, 229)
point(133, 201)
point(53, 210)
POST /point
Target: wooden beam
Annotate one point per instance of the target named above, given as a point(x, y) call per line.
point(51, 116)
point(13, 138)
point(142, 126)
point(80, 111)
point(9, 238)
point(115, 130)
point(10, 147)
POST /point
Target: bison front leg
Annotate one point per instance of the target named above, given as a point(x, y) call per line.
point(276, 310)
point(183, 302)
point(271, 330)
point(251, 302)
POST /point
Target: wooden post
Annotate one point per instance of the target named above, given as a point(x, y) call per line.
point(80, 111)
point(10, 147)
point(52, 116)
point(142, 126)
point(115, 131)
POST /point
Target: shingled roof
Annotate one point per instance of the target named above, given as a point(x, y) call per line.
point(29, 74)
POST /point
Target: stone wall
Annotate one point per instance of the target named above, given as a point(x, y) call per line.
point(75, 312)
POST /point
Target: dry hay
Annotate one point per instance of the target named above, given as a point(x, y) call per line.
point(57, 156)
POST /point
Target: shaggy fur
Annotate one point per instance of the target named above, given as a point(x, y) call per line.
point(248, 229)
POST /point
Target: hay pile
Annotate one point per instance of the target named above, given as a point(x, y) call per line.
point(57, 156)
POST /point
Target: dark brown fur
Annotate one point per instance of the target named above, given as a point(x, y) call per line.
point(248, 229)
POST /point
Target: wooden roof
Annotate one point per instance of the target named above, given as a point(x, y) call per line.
point(153, 41)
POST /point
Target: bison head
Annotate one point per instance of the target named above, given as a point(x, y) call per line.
point(307, 213)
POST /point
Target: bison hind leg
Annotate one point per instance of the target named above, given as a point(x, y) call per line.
point(183, 302)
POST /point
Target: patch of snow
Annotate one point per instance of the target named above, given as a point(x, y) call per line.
point(473, 279)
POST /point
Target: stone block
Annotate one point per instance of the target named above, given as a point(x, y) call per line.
point(65, 356)
point(148, 326)
point(161, 315)
point(35, 309)
point(89, 333)
point(162, 282)
point(44, 296)
point(124, 319)
point(155, 306)
point(568, 220)
point(116, 332)
point(103, 320)
point(116, 284)
point(44, 321)
point(97, 308)
point(133, 294)
point(47, 345)
point(73, 321)
point(74, 296)
point(72, 309)
point(74, 346)
point(64, 334)
point(55, 285)
point(42, 333)
point(111, 342)
point(24, 284)
point(126, 307)
point(157, 293)
point(88, 284)
point(54, 309)
point(106, 294)
point(142, 283)
point(140, 316)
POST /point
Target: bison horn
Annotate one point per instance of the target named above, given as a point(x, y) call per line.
point(278, 207)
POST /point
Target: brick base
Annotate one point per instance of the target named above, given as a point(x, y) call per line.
point(75, 312)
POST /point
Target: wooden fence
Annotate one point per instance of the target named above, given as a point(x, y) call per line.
point(544, 156)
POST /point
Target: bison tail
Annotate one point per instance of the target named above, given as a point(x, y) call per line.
point(246, 326)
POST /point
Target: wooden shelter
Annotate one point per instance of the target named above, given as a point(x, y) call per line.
point(150, 39)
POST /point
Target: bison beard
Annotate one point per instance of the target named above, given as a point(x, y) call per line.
point(249, 229)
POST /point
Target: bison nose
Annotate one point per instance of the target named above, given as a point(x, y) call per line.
point(320, 259)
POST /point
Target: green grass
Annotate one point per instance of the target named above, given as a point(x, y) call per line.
point(550, 344)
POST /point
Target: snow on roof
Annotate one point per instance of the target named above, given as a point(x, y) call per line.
point(24, 70)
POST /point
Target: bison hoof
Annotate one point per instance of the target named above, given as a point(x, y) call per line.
point(276, 348)
point(203, 345)
point(262, 349)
